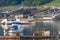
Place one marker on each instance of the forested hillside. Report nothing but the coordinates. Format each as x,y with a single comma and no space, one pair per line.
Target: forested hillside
36,2
26,2
9,2
14,4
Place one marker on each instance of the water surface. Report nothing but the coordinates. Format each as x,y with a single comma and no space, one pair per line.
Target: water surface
53,26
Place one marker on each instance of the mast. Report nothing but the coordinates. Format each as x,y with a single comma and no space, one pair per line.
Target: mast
22,4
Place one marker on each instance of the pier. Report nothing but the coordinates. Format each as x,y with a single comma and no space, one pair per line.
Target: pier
27,38
35,37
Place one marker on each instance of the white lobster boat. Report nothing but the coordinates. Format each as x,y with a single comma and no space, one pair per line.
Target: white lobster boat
8,24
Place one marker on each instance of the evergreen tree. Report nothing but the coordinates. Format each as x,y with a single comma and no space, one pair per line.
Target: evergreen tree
26,2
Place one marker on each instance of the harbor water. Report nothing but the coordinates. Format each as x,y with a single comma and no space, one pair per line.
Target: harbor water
52,25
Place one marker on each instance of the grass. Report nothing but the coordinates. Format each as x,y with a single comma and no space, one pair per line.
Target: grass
53,3
9,7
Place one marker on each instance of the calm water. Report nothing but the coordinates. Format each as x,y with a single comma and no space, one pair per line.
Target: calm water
53,26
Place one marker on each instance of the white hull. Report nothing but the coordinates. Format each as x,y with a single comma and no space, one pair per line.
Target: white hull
19,23
47,18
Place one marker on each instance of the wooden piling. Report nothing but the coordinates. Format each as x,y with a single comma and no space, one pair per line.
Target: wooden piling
36,34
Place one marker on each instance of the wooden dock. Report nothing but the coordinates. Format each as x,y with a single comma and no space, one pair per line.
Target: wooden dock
26,37
9,38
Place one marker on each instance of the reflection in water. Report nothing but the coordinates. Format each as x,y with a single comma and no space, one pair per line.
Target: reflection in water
52,26
49,25
1,31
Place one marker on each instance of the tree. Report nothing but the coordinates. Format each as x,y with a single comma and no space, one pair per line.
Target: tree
9,2
26,2
36,2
